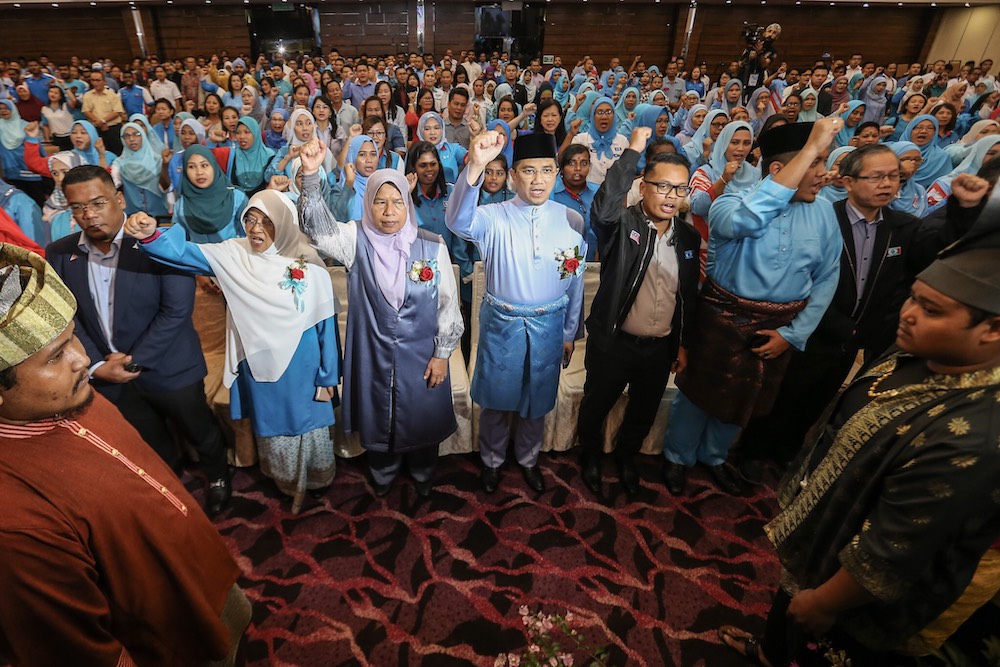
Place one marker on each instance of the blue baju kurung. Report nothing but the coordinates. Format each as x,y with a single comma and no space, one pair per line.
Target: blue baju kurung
530,300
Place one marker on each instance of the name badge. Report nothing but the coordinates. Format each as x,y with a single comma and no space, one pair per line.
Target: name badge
634,235
894,251
689,254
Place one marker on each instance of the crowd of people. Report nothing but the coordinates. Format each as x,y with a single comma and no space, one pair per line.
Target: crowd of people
760,234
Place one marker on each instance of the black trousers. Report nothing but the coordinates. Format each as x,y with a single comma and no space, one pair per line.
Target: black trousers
187,410
642,365
810,383
112,138
784,643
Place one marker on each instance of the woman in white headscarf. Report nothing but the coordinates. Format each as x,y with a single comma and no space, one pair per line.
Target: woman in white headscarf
404,322
282,353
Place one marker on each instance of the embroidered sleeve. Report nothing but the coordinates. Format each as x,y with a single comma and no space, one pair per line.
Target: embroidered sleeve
450,325
332,238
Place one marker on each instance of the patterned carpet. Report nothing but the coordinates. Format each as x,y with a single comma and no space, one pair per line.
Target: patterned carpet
401,580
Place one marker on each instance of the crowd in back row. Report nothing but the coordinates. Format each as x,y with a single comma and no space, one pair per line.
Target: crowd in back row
818,199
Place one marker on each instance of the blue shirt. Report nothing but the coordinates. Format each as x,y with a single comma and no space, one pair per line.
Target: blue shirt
764,247
357,94
133,100
519,244
582,206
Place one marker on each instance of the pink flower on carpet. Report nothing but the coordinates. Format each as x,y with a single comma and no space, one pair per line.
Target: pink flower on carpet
567,659
533,648
523,610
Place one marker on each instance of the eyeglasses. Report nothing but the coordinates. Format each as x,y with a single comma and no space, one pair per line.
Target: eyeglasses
914,160
96,206
131,135
377,134
718,123
876,179
604,112
250,221
531,172
665,188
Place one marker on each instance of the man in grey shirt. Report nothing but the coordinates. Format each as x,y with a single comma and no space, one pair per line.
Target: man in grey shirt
674,86
456,130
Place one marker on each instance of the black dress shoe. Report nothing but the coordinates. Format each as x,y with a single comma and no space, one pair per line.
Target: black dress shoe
629,476
725,479
533,476
219,493
424,488
491,479
752,471
673,477
591,475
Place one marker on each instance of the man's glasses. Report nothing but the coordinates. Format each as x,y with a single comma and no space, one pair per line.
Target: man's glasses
665,188
96,206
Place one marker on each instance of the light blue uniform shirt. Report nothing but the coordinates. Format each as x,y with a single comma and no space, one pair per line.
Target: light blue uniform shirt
518,243
764,247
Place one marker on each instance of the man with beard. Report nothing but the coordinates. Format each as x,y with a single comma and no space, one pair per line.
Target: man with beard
107,559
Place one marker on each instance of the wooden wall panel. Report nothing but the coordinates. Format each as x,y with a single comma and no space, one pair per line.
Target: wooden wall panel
805,36
606,30
192,30
450,25
364,27
88,32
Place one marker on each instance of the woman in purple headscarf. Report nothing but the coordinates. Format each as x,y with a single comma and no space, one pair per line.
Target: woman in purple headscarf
404,322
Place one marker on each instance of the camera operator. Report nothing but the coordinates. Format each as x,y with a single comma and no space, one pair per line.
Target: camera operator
757,56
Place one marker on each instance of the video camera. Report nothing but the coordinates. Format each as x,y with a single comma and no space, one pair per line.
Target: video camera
752,33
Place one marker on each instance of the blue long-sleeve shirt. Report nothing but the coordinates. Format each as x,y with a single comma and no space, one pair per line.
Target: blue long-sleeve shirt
519,244
764,247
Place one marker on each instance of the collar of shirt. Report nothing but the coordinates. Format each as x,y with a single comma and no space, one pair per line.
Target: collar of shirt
86,246
854,216
462,123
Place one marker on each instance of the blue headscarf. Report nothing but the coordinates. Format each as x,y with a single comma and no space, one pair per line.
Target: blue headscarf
936,162
855,92
12,130
695,149
646,115
688,130
249,164
843,137
508,146
578,81
274,139
175,144
558,93
360,182
141,167
747,175
608,84
155,143
833,192
423,122
602,140
89,155
726,105
621,113
589,97
912,197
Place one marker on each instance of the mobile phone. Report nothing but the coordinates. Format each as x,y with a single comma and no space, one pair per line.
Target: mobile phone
565,361
758,341
132,367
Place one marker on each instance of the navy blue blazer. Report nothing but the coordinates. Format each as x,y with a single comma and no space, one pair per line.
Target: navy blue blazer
153,304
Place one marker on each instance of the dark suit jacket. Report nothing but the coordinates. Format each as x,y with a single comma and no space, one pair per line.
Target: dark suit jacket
152,316
904,246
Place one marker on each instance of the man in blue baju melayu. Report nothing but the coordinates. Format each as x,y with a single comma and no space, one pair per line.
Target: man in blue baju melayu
773,266
533,250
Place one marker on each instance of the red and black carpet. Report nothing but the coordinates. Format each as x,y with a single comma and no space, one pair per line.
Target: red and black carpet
401,580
